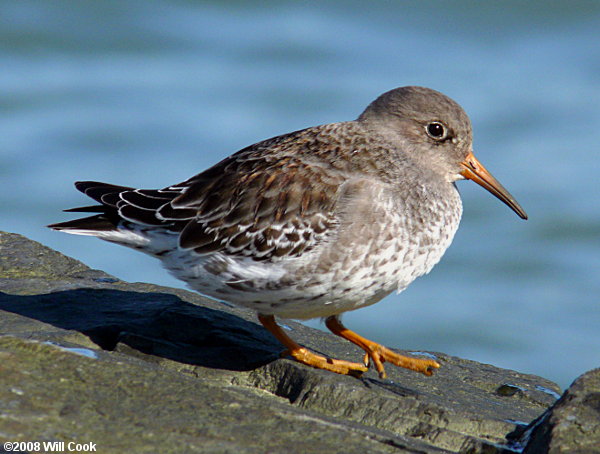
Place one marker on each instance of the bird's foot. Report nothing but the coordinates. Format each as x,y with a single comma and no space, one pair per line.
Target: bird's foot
305,356
378,353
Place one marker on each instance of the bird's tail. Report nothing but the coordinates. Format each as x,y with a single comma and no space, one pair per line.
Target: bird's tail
107,218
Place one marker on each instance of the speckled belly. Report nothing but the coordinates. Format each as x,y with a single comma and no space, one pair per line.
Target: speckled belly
367,261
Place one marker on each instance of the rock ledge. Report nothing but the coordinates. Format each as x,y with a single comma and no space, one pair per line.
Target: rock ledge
140,368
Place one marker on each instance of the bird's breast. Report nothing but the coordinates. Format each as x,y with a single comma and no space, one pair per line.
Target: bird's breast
386,241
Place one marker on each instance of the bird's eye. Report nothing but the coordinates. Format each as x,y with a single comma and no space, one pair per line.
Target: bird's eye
436,130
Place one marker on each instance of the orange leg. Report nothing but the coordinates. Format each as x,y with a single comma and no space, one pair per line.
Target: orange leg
305,356
378,353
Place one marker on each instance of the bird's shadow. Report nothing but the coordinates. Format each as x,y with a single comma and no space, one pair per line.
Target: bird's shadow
158,324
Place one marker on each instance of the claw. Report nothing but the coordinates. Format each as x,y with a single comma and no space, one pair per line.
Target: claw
307,357
380,354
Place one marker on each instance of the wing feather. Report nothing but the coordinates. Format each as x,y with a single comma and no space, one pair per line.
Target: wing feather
272,200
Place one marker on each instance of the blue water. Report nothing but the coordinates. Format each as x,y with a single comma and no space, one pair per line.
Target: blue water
148,93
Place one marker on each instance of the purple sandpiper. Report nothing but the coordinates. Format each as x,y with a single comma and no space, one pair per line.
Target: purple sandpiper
312,223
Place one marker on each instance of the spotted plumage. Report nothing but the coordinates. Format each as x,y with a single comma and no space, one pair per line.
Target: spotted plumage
312,223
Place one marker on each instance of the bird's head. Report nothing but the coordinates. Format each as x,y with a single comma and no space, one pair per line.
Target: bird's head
432,130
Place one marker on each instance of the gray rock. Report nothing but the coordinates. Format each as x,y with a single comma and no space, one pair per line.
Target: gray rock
141,368
572,424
